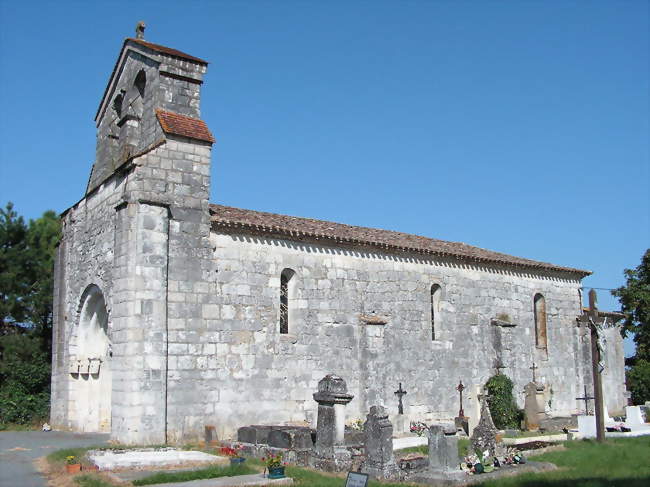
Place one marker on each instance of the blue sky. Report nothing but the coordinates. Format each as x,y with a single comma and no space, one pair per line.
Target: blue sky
518,126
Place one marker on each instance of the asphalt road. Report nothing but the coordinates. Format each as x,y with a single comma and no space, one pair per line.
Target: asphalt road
18,449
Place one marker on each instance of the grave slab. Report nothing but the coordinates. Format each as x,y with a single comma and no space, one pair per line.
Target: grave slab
111,459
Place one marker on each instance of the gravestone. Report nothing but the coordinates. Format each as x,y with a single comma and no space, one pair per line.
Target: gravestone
484,436
380,461
443,448
633,416
534,406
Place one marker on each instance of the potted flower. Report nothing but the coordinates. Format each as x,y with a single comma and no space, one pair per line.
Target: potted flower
234,454
72,465
275,466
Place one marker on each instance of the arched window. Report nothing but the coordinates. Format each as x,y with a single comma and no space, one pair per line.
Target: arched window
539,306
285,278
435,308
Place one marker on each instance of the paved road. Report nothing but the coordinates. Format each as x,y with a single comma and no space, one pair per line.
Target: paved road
18,449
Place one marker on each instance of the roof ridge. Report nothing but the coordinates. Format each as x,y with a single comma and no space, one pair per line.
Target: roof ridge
167,50
343,232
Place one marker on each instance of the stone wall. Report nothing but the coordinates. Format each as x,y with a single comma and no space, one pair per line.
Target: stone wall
263,376
142,238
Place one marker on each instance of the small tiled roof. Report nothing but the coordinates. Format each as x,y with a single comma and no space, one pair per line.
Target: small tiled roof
167,50
296,228
193,128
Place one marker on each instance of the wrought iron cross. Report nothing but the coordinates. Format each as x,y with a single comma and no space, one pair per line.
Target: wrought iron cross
460,388
399,393
534,368
586,399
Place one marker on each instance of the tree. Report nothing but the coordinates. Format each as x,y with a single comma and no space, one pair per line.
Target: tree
501,402
13,268
26,288
635,304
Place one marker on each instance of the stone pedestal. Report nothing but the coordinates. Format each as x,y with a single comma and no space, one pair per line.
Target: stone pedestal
534,406
462,424
332,396
443,448
380,461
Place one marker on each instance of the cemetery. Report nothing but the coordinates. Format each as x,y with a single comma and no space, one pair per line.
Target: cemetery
346,452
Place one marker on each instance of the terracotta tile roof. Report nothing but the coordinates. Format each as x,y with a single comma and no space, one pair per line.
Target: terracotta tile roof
296,228
194,128
167,50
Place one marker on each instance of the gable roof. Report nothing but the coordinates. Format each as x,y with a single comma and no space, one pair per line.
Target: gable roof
296,228
193,128
166,50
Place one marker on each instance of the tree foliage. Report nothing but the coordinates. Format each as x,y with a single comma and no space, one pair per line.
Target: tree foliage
501,402
637,379
26,289
635,304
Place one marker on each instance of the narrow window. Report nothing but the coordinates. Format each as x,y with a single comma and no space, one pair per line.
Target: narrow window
539,304
435,305
285,277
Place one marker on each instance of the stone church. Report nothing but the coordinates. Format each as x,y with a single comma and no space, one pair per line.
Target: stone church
171,313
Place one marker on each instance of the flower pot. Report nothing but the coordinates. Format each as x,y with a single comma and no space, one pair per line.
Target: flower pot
276,472
73,467
236,461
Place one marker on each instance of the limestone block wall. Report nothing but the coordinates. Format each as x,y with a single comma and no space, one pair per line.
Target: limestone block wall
142,237
262,376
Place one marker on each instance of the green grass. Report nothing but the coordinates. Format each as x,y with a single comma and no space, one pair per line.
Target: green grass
621,462
91,481
204,473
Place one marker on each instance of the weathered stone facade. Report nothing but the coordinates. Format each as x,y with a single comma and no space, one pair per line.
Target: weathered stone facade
193,303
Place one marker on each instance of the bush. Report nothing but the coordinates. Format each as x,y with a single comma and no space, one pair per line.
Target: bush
501,402
24,379
637,379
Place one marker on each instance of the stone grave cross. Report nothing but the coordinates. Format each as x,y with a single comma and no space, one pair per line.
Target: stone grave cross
586,399
400,393
498,365
534,368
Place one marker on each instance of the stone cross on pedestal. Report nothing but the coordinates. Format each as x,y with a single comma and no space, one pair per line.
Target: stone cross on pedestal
399,393
534,368
586,399
139,30
332,396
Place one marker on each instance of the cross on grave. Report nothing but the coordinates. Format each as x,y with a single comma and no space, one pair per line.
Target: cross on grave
498,365
586,399
399,393
534,368
460,388
592,320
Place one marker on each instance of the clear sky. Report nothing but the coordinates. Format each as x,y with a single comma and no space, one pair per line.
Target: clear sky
517,126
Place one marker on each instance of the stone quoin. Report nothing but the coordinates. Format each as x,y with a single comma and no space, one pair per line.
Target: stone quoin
171,313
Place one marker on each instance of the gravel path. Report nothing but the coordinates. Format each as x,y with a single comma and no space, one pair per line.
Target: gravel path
18,450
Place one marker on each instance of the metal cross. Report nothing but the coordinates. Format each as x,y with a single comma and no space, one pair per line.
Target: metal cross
400,392
460,388
534,368
586,399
